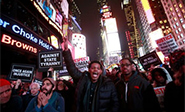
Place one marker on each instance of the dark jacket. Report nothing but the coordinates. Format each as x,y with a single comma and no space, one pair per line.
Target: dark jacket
55,104
174,97
105,96
140,96
13,105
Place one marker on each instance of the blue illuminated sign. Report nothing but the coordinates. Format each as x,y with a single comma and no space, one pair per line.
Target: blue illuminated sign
18,29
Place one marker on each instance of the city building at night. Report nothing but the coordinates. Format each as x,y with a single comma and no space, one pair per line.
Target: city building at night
132,35
143,27
29,27
175,11
161,20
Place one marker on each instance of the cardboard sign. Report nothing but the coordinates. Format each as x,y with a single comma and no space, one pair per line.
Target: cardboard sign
167,44
148,59
82,63
22,71
49,59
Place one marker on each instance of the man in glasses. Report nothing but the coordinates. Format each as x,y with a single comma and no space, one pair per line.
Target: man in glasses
47,100
9,103
135,94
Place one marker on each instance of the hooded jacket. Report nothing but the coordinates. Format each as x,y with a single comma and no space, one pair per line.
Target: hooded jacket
137,95
105,95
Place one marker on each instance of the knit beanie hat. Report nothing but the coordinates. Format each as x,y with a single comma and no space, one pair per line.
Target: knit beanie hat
51,80
4,82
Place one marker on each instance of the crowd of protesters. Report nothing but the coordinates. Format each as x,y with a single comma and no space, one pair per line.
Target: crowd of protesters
123,89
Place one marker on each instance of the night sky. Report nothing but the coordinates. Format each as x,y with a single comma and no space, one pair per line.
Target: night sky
90,25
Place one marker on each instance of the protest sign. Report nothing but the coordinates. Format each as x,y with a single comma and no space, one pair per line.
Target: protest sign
167,44
150,59
22,71
82,63
52,58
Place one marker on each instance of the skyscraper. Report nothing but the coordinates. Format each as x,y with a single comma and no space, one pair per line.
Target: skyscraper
175,11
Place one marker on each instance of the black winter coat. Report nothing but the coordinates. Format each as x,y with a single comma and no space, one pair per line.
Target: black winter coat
105,97
140,96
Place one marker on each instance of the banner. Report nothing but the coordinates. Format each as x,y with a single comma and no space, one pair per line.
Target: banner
22,71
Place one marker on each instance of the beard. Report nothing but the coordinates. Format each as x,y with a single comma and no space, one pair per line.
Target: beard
48,92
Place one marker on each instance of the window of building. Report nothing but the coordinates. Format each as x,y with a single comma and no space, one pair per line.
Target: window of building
165,21
162,27
176,31
171,9
43,31
181,20
28,19
177,10
178,37
160,22
182,35
167,27
183,41
175,18
183,26
179,14
179,29
180,5
177,24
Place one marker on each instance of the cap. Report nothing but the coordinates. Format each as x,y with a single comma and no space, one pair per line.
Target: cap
4,82
51,80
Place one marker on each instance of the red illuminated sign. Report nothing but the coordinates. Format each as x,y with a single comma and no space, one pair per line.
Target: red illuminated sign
10,41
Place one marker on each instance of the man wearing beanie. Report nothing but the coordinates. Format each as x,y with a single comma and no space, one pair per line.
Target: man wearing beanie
9,102
48,100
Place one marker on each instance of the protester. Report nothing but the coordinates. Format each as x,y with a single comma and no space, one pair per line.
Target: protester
94,92
16,87
174,91
34,91
113,73
66,90
160,78
134,92
9,102
47,100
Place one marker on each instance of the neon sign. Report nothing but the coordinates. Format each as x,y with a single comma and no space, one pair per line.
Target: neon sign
8,40
24,33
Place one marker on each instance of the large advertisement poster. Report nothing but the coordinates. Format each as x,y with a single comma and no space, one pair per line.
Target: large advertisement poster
50,9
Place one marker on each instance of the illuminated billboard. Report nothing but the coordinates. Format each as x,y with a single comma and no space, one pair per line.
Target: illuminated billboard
49,11
148,11
113,42
79,44
111,26
54,41
155,35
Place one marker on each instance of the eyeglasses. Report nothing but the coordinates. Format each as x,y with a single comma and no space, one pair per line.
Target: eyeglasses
122,65
8,90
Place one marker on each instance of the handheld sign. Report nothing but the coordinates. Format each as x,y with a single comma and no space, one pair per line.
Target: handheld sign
22,71
52,58
82,63
167,44
149,59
